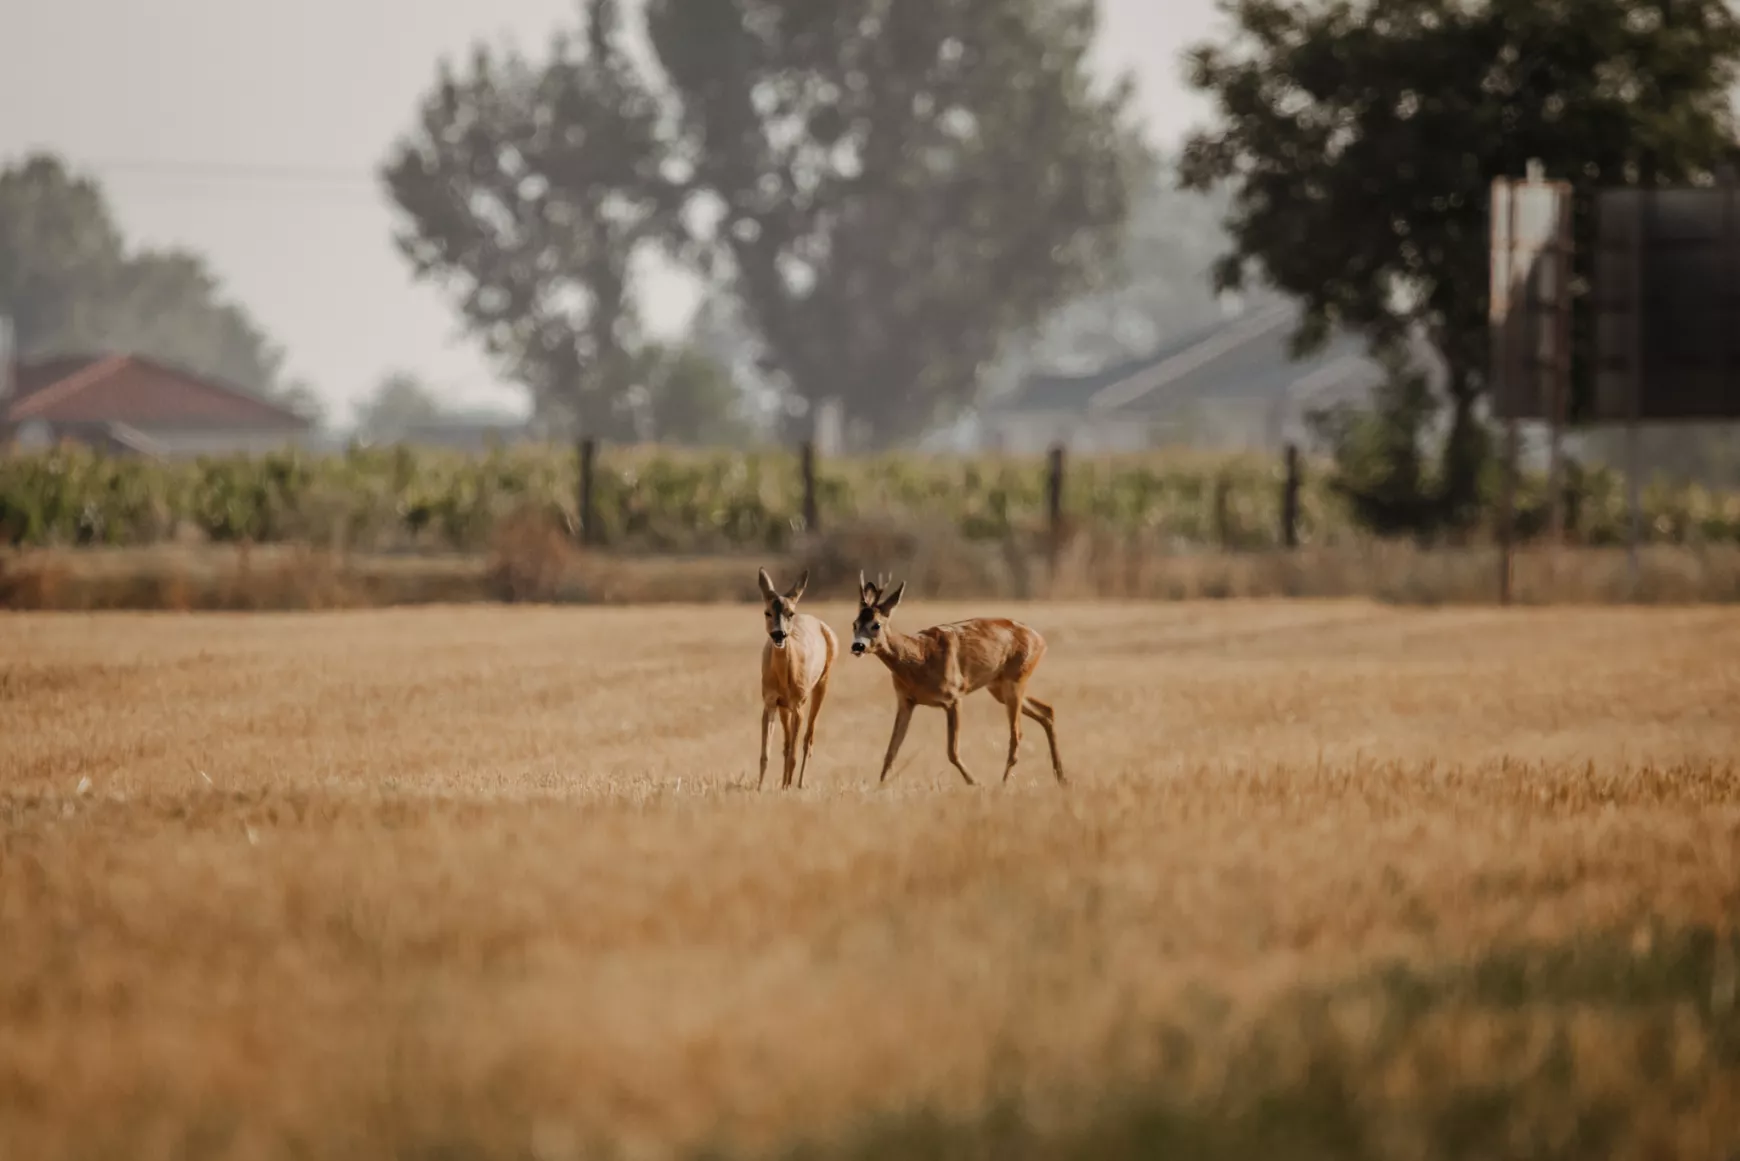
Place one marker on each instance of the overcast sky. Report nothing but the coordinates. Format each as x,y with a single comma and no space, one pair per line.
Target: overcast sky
185,108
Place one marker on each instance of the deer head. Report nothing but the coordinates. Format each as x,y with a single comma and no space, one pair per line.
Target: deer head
780,608
875,605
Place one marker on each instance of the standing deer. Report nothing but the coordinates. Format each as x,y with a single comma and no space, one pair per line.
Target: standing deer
941,665
795,664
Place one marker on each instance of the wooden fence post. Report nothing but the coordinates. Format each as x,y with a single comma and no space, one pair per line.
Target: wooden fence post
807,468
588,496
1290,499
1222,516
1054,504
1507,511
1573,501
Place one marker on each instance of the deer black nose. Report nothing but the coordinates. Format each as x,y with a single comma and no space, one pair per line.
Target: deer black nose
858,648
778,636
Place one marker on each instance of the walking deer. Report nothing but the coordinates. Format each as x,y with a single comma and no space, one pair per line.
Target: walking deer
941,665
796,662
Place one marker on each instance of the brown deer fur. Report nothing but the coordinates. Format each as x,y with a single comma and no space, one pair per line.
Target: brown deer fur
796,660
941,665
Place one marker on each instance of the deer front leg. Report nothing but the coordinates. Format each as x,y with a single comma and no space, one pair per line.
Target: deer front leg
954,712
902,719
789,719
766,740
817,696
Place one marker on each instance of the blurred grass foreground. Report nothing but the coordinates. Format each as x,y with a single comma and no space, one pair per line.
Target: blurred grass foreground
1612,1045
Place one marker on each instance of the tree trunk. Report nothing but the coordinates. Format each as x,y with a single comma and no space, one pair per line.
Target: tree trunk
1465,453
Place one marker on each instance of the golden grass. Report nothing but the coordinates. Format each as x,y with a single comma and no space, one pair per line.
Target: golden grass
488,882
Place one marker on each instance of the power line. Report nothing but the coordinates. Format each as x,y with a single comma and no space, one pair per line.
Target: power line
256,183
240,171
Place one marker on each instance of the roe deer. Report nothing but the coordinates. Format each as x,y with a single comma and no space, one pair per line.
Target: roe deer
941,665
795,664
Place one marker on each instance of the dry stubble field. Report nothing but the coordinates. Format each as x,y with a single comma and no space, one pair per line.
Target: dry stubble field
1330,880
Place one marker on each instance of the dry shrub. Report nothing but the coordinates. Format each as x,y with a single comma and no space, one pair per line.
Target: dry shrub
933,558
31,584
224,578
1103,567
532,558
659,580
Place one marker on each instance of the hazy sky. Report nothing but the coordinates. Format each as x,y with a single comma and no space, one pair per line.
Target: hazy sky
185,108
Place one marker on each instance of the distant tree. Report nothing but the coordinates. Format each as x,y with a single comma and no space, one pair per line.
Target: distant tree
719,331
1161,284
401,400
1360,137
895,188
71,287
1379,469
528,192
685,396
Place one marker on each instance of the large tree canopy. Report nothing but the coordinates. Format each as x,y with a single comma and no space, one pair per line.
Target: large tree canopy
1360,138
71,286
529,192
889,188
898,186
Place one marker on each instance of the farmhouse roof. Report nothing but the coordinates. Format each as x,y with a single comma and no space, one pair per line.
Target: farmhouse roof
1246,357
135,390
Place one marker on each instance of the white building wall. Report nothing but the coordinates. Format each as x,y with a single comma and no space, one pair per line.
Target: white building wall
186,443
1033,433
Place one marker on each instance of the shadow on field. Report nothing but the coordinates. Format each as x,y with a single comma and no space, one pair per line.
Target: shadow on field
1620,1046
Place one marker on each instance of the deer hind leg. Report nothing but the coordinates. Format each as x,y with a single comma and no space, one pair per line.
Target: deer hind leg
1011,697
766,740
790,719
817,696
902,719
1042,713
954,712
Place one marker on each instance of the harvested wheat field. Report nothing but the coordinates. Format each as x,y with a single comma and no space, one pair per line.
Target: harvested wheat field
1329,880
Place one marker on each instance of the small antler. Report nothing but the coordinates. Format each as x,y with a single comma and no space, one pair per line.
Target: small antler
868,591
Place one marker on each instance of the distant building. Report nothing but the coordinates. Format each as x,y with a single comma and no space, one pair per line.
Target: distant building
1232,383
132,404
469,433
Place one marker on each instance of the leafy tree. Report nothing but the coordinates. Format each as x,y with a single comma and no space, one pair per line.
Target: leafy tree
528,193
684,396
401,400
1380,470
894,188
71,287
1160,286
719,331
1360,138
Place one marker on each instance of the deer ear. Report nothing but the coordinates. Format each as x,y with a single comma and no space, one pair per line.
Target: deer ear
866,590
891,600
797,590
766,583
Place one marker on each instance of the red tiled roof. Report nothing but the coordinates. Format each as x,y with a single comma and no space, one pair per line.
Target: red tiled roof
135,390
